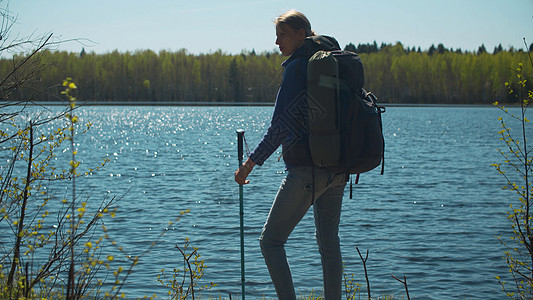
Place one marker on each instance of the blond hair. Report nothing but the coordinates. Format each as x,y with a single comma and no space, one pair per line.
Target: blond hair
296,20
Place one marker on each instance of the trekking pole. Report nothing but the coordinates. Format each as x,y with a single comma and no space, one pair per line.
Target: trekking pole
240,137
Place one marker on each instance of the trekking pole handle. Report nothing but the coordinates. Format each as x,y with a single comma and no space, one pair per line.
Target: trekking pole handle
240,138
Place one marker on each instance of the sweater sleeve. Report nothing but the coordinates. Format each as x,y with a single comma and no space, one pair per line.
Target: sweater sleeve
292,90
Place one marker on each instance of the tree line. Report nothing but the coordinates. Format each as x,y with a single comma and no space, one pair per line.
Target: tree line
396,74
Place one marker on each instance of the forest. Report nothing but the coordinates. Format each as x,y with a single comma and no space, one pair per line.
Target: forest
394,73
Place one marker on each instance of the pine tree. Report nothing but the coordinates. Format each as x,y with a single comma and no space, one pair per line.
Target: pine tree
350,47
481,49
441,49
497,49
432,49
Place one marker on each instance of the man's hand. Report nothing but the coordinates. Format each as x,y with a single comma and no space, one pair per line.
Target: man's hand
242,173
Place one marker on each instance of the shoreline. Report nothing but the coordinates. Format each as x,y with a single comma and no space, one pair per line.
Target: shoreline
213,104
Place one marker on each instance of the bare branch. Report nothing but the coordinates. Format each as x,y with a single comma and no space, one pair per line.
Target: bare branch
366,272
404,281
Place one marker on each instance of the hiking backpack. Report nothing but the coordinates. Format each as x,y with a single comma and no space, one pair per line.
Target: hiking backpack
345,128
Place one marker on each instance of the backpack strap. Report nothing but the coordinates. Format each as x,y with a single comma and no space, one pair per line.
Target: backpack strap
351,188
313,184
349,178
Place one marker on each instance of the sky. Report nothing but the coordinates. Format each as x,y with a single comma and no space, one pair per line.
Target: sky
234,26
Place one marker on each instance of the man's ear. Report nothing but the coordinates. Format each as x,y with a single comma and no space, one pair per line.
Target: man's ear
301,33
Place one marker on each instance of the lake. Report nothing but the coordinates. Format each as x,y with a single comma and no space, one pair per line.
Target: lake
434,216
